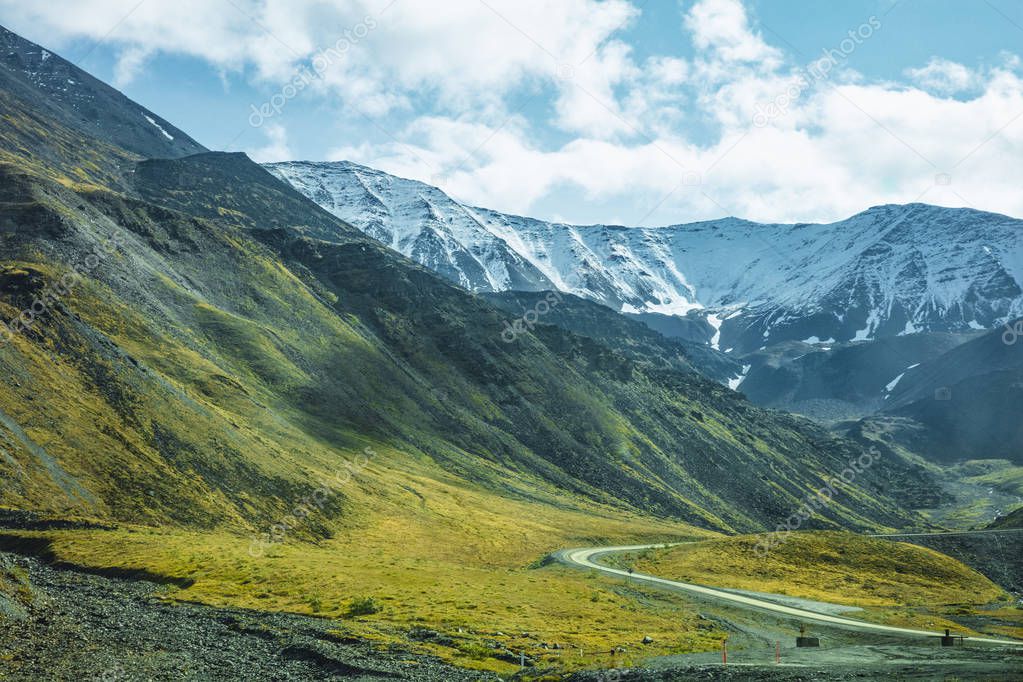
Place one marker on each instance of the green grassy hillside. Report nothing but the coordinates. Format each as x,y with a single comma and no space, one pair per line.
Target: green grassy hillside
843,568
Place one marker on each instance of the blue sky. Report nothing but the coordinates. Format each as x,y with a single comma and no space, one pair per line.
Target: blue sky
636,112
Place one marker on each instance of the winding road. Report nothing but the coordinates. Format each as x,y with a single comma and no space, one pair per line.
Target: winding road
587,558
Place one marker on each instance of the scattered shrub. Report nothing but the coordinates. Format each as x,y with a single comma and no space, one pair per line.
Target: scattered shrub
364,606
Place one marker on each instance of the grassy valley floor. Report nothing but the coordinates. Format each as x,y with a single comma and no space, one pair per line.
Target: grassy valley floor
464,579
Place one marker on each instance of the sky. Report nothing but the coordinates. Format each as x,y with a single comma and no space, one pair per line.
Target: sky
626,112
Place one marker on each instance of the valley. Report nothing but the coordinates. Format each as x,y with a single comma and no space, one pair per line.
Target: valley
273,413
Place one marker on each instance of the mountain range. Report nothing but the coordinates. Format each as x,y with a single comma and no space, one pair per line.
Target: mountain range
741,286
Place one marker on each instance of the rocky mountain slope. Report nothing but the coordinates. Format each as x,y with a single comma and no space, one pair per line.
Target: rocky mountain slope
967,401
620,333
1011,520
888,271
58,89
840,380
210,343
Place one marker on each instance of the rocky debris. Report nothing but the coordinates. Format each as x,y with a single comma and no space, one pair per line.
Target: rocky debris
68,625
15,590
648,640
432,636
26,520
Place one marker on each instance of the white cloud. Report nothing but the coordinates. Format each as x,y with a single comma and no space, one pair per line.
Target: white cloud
129,65
587,103
837,151
375,56
944,77
720,28
449,81
276,147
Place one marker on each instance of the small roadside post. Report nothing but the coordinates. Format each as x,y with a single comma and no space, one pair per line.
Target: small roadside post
804,641
724,651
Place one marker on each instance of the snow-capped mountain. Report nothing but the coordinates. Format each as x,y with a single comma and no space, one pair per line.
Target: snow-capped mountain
419,221
888,271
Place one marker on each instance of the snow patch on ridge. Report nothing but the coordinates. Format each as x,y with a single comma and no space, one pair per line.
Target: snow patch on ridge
158,127
867,332
715,321
890,386
734,383
893,383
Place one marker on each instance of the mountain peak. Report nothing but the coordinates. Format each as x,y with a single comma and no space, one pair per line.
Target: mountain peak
82,102
921,209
